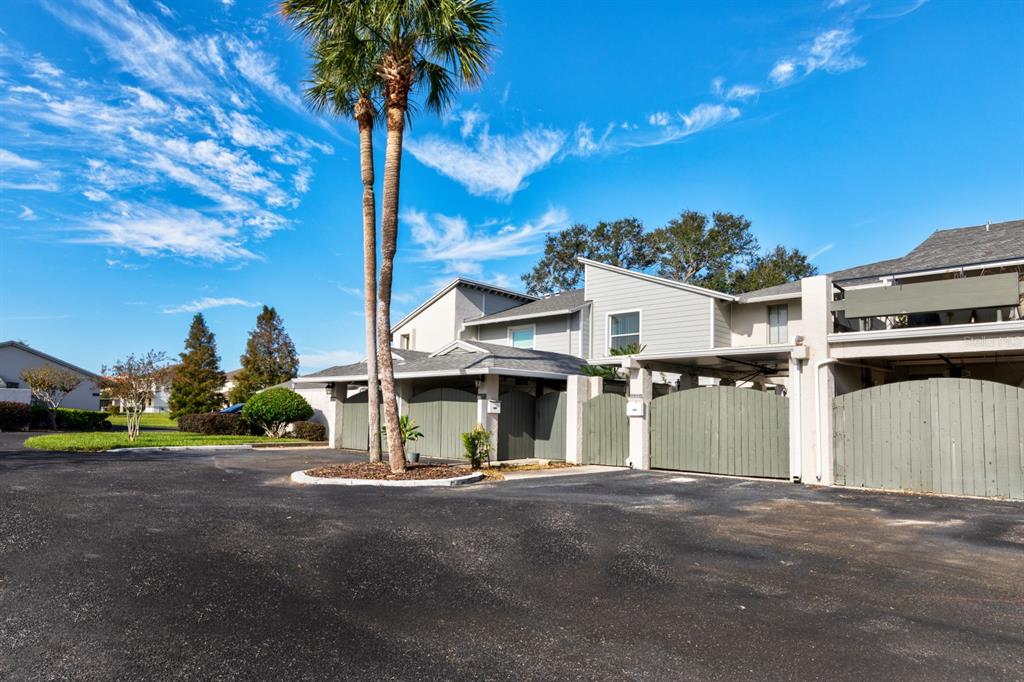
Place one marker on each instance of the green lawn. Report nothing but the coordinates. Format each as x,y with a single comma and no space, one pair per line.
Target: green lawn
95,441
150,420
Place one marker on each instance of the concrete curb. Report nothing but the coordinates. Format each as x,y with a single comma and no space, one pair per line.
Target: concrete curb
176,448
302,477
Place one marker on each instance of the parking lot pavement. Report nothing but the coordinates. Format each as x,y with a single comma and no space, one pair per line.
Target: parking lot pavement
215,566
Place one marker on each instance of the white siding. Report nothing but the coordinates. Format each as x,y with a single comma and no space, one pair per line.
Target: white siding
14,359
670,319
437,325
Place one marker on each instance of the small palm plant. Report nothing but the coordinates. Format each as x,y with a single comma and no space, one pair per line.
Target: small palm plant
409,432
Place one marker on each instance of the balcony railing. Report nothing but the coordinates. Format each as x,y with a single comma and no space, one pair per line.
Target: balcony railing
987,298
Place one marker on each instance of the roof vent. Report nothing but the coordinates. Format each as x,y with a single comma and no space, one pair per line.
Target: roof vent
988,225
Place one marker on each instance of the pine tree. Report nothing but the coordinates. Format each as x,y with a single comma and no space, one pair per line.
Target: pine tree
269,357
197,380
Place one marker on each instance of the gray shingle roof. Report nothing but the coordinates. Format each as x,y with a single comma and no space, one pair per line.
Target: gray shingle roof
943,249
494,357
556,303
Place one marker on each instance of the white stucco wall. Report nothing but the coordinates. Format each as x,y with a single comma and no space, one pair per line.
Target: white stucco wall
749,322
13,360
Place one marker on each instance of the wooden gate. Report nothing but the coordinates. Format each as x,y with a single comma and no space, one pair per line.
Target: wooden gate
515,425
605,430
355,427
956,436
443,415
549,426
721,430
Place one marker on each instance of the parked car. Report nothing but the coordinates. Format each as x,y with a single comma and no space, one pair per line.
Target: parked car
233,409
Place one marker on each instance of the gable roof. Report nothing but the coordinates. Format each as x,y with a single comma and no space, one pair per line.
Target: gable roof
556,304
659,280
950,248
464,358
462,281
49,358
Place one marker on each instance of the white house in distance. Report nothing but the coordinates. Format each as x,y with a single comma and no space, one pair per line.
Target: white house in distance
906,373
16,356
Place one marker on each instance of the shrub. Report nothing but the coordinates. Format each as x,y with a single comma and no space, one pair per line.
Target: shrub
478,446
273,409
14,416
215,424
308,431
70,419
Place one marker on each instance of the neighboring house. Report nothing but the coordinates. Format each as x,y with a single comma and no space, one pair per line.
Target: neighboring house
230,380
15,357
906,373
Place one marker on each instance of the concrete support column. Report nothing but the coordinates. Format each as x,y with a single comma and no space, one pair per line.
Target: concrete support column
403,394
795,397
577,392
640,394
334,414
489,391
817,386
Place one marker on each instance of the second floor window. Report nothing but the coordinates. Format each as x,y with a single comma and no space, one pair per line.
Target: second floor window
778,324
521,337
623,330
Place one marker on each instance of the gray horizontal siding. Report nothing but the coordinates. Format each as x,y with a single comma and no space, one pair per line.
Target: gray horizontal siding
670,319
723,330
551,334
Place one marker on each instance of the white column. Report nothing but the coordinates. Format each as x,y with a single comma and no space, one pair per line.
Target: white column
577,392
403,394
488,391
817,387
334,414
640,392
796,367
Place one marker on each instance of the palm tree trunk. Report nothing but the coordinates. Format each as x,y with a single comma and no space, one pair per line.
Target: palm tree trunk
364,115
389,245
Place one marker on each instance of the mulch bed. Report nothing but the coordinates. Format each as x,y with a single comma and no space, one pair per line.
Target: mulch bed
381,471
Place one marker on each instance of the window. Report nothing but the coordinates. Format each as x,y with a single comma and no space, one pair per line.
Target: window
521,337
778,324
623,330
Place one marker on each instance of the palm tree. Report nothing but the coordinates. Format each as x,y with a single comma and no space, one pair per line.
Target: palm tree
433,46
344,83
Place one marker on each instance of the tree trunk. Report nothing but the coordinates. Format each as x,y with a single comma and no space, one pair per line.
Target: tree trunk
364,115
389,245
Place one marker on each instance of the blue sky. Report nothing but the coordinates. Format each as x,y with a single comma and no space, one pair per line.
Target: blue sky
156,158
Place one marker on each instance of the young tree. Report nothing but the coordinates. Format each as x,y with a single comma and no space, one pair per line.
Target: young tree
50,384
433,45
693,249
269,357
771,269
345,83
132,382
622,243
197,380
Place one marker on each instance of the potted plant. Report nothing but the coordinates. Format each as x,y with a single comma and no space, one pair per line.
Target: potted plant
409,432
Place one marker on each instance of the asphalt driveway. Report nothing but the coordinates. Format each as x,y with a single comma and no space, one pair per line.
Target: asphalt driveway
192,566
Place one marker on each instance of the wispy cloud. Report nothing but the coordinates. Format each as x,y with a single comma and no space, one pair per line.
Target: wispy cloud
179,126
27,214
831,51
822,250
451,240
489,165
206,303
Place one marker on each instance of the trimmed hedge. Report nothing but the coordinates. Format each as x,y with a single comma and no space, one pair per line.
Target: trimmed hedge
275,408
308,431
14,416
71,419
215,424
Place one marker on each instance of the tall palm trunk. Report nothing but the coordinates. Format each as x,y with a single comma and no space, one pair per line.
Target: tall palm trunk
364,116
396,102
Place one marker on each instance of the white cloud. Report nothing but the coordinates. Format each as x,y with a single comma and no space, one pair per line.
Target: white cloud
206,303
164,10
9,159
44,70
470,120
492,165
146,101
830,51
260,69
151,230
701,117
96,195
450,239
742,92
313,360
659,118
301,180
820,251
27,214
782,72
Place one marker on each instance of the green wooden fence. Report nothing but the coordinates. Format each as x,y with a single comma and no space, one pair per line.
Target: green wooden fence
721,430
515,425
355,428
549,426
443,415
605,430
956,436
